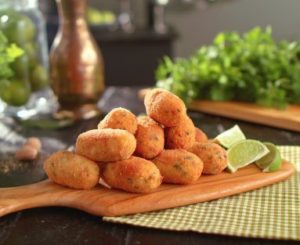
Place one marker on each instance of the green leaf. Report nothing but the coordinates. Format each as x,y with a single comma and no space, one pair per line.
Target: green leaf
13,51
8,53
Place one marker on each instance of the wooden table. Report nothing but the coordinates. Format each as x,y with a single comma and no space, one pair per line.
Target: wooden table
56,225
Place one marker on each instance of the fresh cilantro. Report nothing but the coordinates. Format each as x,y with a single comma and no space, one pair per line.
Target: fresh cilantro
251,67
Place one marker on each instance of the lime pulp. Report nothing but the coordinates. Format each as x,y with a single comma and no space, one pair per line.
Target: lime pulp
230,137
244,153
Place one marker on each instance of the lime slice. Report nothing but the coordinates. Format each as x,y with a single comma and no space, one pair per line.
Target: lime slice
272,161
245,152
230,136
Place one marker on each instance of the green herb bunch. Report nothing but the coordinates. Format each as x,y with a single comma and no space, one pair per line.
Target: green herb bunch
251,67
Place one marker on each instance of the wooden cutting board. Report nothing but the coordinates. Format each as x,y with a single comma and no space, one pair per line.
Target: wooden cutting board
105,202
286,119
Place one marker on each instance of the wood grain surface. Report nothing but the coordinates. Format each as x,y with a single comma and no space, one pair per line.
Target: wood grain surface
286,119
105,202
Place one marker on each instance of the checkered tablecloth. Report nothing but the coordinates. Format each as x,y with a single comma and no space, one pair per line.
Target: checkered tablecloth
272,212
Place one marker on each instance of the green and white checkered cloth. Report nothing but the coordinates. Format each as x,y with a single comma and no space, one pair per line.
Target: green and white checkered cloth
272,212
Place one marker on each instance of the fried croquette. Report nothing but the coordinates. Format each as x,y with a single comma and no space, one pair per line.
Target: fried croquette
119,118
164,107
149,138
106,145
214,157
179,166
200,136
133,175
181,136
71,170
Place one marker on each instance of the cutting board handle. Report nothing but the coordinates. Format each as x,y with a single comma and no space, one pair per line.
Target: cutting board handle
40,194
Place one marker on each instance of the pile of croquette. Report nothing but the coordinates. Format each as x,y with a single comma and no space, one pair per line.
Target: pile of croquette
137,154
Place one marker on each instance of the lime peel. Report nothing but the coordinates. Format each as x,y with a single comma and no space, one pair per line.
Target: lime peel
272,161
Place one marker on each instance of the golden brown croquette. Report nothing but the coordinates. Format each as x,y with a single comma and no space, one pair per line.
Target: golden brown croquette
214,157
181,136
164,107
119,118
179,166
133,175
149,138
71,170
200,136
106,145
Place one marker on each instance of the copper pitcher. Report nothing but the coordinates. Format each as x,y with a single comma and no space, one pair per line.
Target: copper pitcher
76,64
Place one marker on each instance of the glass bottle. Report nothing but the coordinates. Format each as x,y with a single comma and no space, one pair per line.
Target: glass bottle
76,65
23,90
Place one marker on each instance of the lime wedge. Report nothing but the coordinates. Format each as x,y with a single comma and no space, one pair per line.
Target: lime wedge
272,161
230,136
245,152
